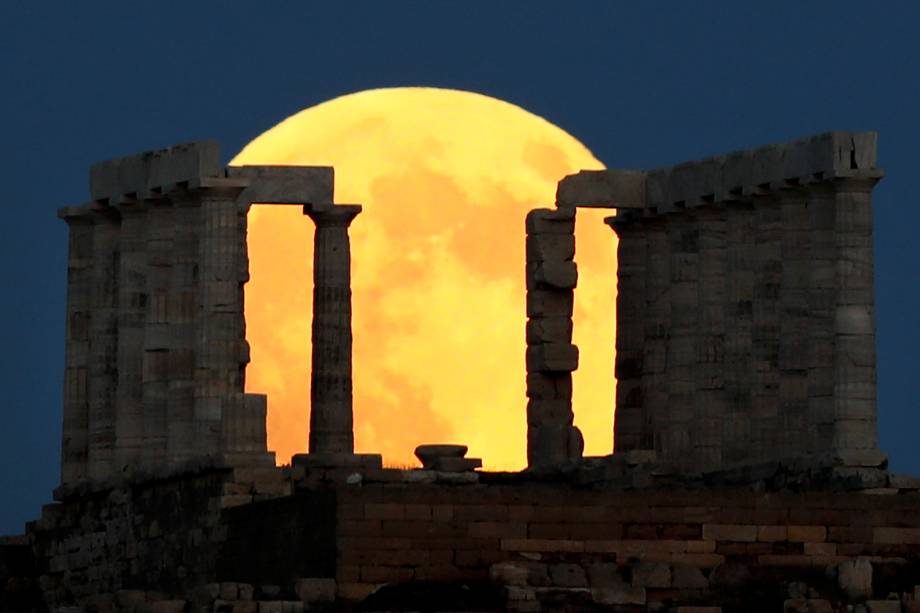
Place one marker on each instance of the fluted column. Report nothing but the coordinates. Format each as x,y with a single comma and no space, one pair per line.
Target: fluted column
77,355
331,418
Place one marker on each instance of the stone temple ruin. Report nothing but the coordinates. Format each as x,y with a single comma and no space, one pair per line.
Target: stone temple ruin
746,474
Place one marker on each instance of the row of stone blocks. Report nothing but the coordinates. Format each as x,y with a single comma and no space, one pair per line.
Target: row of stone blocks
725,178
552,275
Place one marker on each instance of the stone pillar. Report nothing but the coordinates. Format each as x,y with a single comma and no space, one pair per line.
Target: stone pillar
158,333
710,398
768,270
77,352
131,431
183,309
631,427
794,323
551,357
657,333
103,358
855,425
331,417
683,236
218,376
739,299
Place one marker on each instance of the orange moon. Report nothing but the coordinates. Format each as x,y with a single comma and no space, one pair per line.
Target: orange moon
446,178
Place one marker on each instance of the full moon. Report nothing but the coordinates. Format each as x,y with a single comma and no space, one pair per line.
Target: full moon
446,178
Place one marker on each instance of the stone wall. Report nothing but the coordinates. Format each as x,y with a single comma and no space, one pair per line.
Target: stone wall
253,539
155,347
745,309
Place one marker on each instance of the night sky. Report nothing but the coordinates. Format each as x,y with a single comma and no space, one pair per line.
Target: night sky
641,87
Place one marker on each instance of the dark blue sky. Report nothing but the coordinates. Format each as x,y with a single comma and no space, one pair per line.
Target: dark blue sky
86,81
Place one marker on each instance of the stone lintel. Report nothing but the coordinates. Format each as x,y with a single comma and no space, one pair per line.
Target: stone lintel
740,175
151,173
615,189
299,185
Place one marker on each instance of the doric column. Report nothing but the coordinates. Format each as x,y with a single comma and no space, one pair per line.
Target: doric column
710,398
76,356
158,336
130,429
183,309
657,333
631,418
768,269
103,359
739,300
794,323
218,372
683,236
842,377
331,417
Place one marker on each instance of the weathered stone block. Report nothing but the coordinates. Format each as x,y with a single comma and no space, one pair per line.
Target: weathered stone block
651,575
621,189
315,590
854,577
554,357
553,274
550,247
567,575
551,221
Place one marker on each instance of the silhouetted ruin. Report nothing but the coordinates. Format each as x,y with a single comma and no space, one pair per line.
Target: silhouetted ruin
746,473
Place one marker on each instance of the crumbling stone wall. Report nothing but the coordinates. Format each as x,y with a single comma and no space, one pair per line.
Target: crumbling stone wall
745,308
155,348
254,538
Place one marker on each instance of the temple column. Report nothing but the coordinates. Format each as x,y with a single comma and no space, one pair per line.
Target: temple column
551,274
331,418
103,345
79,316
218,375
710,398
631,416
131,431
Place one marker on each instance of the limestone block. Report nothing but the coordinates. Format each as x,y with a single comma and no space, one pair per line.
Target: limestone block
854,577
736,173
767,165
854,320
621,189
553,443
149,173
550,221
545,303
553,274
619,595
688,577
302,185
549,386
509,573
883,606
550,247
567,575
315,590
549,411
560,357
651,575
549,330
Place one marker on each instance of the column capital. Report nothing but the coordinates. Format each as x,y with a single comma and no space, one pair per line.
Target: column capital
339,215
